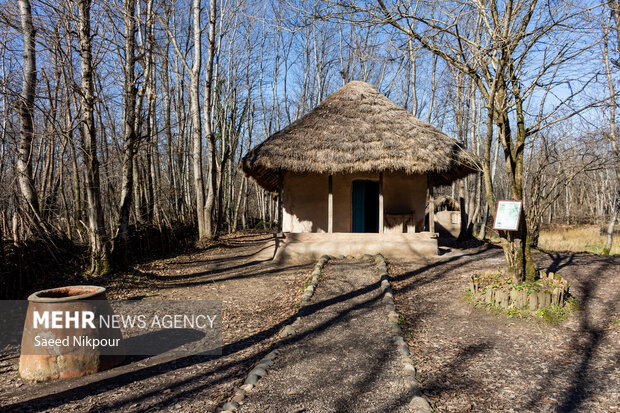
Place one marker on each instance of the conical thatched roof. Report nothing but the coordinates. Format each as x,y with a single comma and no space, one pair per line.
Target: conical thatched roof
357,129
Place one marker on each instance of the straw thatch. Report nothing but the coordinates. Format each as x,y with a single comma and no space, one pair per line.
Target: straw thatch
446,203
357,129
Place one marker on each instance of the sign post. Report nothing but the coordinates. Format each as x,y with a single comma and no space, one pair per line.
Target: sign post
507,215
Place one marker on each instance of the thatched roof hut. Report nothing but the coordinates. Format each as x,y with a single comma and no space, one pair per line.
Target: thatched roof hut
355,175
357,129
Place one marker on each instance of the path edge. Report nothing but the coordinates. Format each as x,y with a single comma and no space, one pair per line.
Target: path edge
261,367
418,403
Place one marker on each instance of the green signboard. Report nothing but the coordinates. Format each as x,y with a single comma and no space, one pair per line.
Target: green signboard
507,215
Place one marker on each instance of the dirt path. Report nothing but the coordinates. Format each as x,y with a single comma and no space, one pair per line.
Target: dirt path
471,360
343,359
467,359
258,299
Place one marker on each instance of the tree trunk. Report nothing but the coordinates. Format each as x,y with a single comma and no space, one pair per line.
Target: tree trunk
61,188
151,122
136,197
463,233
516,244
173,192
211,143
615,151
610,227
431,103
246,195
412,79
203,229
26,114
77,188
235,216
129,102
99,246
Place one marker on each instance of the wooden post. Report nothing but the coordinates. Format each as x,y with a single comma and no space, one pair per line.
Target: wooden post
280,213
431,206
380,202
330,206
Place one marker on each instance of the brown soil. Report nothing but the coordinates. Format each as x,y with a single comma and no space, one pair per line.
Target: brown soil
343,357
470,359
258,299
467,358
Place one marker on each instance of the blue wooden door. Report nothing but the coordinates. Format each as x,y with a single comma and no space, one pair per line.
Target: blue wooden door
365,206
359,206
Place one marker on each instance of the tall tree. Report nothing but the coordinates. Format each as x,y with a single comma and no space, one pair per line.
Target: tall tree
493,44
211,142
26,114
613,138
129,133
203,229
99,247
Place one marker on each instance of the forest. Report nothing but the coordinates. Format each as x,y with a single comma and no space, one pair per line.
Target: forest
123,122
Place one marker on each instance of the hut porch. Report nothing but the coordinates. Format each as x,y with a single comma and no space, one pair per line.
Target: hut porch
354,214
306,247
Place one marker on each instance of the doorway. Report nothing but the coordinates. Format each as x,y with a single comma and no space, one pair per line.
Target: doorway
365,206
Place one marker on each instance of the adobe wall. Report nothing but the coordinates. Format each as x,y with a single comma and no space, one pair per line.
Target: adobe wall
304,199
448,223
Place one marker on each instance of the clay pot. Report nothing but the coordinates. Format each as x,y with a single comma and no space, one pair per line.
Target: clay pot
56,350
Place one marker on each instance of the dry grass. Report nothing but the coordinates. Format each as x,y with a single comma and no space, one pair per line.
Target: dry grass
576,239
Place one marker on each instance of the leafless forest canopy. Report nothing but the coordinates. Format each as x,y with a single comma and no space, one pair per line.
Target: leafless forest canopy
119,116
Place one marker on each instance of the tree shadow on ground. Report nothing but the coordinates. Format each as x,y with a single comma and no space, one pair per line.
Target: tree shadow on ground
210,275
455,243
127,374
559,260
420,277
119,377
585,341
195,383
226,258
582,381
219,267
438,381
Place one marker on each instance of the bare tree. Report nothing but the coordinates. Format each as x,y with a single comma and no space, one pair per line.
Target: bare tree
613,138
496,62
26,113
211,142
129,135
99,247
204,205
203,229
